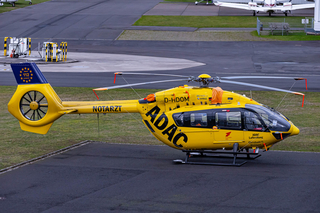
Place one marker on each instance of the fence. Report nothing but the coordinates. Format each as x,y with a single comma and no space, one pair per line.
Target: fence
276,24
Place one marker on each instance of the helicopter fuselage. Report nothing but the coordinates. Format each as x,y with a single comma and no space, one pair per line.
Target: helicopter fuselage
192,122
184,117
195,118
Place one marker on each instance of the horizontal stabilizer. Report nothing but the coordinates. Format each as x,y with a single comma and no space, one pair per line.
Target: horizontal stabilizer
36,129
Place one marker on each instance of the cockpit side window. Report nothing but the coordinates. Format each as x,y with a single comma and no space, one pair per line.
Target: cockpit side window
252,121
228,120
272,119
178,119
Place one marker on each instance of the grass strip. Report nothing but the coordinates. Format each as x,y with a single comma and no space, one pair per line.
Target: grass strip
17,146
210,21
19,4
190,36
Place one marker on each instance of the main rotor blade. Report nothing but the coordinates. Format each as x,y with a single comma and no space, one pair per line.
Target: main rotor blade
275,77
261,77
137,84
260,86
137,73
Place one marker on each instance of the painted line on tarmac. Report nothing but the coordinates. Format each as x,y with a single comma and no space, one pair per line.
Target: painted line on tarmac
11,168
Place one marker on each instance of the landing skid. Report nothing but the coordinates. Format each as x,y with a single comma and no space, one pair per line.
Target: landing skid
202,154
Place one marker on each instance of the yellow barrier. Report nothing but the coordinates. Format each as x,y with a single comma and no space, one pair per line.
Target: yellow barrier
56,52
66,51
51,51
5,46
46,52
63,47
29,41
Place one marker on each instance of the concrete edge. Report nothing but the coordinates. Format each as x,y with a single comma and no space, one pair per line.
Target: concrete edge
24,60
74,146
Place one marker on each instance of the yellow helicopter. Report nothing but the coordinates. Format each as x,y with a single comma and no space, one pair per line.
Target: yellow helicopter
201,121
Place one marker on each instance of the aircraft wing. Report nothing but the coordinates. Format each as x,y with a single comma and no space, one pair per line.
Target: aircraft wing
301,6
239,6
265,9
234,5
291,7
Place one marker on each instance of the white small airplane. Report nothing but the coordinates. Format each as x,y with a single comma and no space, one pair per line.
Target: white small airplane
267,6
12,2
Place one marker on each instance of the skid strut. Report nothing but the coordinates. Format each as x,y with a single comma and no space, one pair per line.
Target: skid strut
203,155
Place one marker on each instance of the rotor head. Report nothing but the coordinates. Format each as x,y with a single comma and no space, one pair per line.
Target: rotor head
205,80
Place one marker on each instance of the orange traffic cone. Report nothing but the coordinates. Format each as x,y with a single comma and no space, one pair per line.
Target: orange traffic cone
11,55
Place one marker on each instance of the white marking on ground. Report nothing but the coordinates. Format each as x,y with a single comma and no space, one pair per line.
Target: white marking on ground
5,68
102,62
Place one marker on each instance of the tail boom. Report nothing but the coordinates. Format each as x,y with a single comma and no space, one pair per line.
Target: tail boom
93,107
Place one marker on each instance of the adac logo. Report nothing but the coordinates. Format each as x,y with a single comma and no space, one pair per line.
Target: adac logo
228,135
26,75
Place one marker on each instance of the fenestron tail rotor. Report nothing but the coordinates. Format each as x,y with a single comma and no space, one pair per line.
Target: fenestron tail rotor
33,105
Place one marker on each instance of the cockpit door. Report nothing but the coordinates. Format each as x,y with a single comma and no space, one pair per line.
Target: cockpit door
254,129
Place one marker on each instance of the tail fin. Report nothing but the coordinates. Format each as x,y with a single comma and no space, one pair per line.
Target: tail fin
28,73
35,104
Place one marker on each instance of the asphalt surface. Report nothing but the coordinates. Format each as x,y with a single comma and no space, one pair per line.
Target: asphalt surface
102,177
94,19
93,27
127,178
297,59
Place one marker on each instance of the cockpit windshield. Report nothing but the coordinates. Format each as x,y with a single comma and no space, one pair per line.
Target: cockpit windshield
272,119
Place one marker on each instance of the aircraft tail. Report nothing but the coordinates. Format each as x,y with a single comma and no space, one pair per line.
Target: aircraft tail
35,104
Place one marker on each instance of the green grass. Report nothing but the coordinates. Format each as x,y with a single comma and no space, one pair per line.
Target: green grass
17,146
230,22
19,4
198,21
208,21
292,36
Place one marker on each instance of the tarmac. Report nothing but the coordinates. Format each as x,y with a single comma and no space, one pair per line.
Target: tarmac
100,177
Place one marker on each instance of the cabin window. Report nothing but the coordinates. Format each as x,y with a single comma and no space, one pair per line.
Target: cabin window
252,122
199,119
228,120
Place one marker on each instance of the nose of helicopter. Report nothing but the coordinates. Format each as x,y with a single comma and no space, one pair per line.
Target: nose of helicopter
294,131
